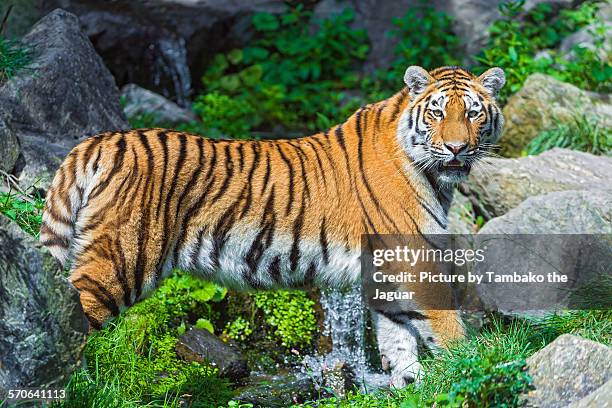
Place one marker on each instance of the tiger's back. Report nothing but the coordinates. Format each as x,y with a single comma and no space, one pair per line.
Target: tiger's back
127,207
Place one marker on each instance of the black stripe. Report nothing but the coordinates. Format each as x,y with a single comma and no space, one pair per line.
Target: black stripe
163,139
117,165
274,270
323,242
266,178
298,223
332,167
291,180
264,237
180,161
240,157
143,232
229,172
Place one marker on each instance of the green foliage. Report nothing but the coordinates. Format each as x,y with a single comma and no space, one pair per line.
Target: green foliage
263,320
239,329
426,39
291,314
486,370
133,359
13,58
515,42
291,76
582,133
26,211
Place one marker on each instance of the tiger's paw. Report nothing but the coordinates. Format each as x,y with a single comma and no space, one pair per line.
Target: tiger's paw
404,372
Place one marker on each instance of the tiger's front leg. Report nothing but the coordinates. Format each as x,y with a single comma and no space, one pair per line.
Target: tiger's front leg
401,335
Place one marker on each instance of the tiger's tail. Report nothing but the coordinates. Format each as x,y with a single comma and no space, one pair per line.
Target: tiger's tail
65,199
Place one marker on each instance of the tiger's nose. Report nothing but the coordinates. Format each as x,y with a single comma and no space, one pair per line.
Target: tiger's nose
455,148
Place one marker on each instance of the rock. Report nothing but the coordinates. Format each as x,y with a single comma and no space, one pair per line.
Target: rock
472,19
502,184
156,43
567,370
202,346
42,325
9,147
539,237
277,391
23,16
340,379
138,101
544,102
561,212
39,159
65,95
600,398
587,36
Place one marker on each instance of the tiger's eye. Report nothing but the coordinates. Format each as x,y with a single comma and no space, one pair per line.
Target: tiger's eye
437,113
472,114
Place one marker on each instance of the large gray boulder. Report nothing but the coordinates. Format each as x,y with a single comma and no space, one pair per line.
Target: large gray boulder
42,325
64,96
600,398
154,43
139,101
560,212
541,236
499,185
9,147
544,102
568,370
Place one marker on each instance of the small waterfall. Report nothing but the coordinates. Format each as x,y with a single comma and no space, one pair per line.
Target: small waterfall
346,318
172,64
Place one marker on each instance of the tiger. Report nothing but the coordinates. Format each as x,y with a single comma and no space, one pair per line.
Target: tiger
125,208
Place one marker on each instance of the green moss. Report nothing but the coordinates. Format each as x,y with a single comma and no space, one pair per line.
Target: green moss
291,314
268,319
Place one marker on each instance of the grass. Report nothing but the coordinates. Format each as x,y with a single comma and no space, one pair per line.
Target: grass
485,370
132,362
582,133
13,58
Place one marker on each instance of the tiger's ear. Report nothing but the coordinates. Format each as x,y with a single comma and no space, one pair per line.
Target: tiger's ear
493,79
417,80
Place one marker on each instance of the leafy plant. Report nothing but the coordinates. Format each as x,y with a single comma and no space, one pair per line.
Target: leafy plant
515,42
426,38
291,314
291,77
582,133
26,211
13,58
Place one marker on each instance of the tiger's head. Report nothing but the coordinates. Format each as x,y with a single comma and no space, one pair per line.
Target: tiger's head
451,121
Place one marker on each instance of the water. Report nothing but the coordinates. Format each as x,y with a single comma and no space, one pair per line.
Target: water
346,318
172,64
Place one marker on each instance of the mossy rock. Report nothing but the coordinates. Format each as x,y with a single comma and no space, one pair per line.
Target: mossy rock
545,102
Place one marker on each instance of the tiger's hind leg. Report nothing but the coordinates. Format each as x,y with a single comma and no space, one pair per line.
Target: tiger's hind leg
103,290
